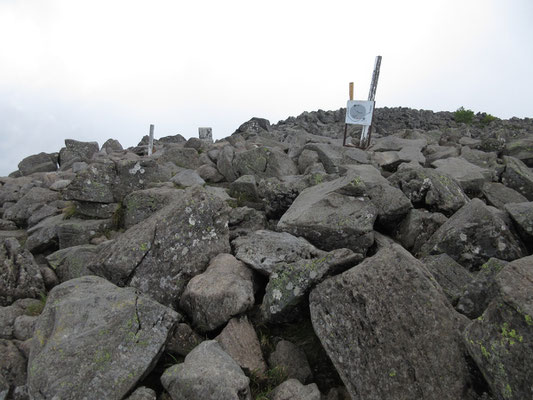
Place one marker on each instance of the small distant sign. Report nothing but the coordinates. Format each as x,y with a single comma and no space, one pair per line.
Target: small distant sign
359,112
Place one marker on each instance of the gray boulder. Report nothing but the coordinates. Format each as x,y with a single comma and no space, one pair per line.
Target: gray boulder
474,234
334,157
186,178
500,341
75,232
225,289
6,225
292,360
73,262
417,227
333,215
34,199
404,344
263,250
13,366
142,393
469,176
141,204
244,220
41,162
292,389
23,327
20,276
193,229
13,189
521,149
435,152
497,195
225,163
180,156
88,210
76,151
93,184
522,216
68,357
427,188
183,340
208,373
452,277
244,189
518,176
289,283
43,236
264,162
209,173
240,341
481,290
112,145
277,194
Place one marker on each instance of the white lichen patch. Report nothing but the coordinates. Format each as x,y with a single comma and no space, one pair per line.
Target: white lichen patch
276,294
136,168
463,237
192,221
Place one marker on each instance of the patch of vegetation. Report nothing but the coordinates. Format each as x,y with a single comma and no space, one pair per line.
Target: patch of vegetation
261,384
486,119
118,217
36,309
69,211
463,116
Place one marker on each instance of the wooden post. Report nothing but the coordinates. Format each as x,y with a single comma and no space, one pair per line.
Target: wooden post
351,90
346,125
151,140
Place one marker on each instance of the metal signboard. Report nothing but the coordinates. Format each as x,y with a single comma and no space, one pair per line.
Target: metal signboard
359,112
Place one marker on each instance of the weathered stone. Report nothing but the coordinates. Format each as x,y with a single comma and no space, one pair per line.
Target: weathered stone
182,157
225,289
75,232
255,125
417,227
14,189
427,188
452,277
141,204
264,162
193,229
522,216
292,360
93,184
183,340
142,393
42,213
395,143
244,220
498,195
36,198
43,236
277,194
24,326
473,235
73,262
240,341
69,359
289,283
6,225
225,163
84,149
187,177
484,160
518,176
244,189
292,389
469,176
41,162
208,373
521,149
334,157
387,160
263,250
209,173
20,276
112,145
481,290
307,158
500,341
436,152
333,215
13,365
404,344
97,210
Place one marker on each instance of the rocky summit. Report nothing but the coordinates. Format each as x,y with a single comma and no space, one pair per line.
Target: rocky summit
274,264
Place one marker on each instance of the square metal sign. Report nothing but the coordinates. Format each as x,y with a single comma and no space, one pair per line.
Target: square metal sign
359,112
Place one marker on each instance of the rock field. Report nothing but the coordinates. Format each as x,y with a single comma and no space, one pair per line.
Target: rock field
274,264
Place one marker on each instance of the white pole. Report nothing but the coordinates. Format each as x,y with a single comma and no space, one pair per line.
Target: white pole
151,140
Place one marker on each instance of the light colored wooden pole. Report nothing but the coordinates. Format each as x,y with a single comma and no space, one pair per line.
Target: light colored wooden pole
151,140
351,90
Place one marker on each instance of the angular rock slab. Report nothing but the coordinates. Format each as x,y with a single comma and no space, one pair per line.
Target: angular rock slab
20,276
208,373
161,254
501,340
389,330
518,176
225,289
473,235
289,284
292,389
263,249
470,176
522,216
94,340
333,215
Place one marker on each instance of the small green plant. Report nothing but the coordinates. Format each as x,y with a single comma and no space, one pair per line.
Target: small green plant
118,217
69,211
261,384
463,116
487,119
35,309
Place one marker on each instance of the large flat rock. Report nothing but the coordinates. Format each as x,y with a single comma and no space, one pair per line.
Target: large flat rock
94,340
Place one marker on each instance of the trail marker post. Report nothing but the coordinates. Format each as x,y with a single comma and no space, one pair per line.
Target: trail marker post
362,112
151,140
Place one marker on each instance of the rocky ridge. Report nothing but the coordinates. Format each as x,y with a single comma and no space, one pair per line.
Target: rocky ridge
274,264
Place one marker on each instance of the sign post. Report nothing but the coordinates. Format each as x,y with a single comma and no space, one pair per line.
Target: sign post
151,140
360,112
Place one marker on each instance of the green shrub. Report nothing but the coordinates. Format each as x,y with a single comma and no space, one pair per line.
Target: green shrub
463,116
487,119
69,211
261,384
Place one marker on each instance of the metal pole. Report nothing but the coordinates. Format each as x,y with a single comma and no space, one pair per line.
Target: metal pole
367,130
151,140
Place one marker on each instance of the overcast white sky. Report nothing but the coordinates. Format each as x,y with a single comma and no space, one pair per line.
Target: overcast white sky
96,69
